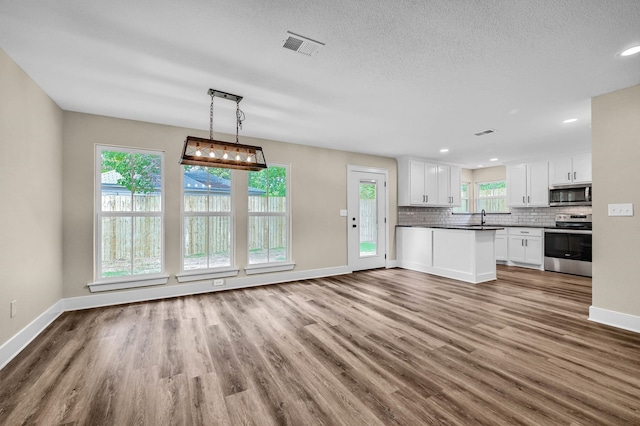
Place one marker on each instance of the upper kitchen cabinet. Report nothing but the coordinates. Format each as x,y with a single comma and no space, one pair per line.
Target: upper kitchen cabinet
449,193
417,183
425,184
528,185
567,170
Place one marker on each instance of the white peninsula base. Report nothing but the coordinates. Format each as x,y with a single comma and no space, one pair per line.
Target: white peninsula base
462,254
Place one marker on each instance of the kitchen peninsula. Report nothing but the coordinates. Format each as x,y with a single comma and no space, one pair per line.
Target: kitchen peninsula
465,253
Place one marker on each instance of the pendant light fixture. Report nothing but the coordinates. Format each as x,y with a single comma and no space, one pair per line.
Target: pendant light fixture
229,155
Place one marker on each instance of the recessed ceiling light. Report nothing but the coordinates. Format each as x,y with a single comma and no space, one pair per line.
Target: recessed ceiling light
480,165
444,150
570,120
493,159
631,51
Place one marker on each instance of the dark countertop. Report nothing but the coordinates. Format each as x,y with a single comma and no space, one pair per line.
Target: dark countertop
490,227
487,227
461,227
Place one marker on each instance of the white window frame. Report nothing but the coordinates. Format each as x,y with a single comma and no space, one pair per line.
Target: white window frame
128,281
457,209
285,265
207,273
478,198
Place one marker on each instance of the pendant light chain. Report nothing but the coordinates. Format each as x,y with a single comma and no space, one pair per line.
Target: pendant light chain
211,118
239,119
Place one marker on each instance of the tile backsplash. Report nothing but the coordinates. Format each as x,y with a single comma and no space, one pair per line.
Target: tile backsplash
538,216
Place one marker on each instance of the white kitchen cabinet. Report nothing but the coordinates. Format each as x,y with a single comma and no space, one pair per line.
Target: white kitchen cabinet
417,183
525,246
462,254
421,183
449,186
528,185
568,170
502,254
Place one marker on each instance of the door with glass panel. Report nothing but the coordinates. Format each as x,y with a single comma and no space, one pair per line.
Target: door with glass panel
366,221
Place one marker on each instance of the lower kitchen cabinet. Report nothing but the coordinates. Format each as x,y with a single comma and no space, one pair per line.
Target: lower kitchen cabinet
502,254
526,247
462,254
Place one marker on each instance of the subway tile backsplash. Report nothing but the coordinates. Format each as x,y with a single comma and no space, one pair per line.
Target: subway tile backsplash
538,216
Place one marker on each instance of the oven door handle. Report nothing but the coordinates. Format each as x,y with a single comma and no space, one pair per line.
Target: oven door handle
569,231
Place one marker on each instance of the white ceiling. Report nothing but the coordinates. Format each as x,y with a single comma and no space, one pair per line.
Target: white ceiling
396,77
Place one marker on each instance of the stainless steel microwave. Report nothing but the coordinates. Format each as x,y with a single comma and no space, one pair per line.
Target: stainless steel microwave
570,195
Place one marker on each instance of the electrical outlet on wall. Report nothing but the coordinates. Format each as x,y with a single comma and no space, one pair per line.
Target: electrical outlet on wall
217,283
14,308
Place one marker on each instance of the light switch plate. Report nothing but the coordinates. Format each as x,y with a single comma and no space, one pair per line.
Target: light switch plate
625,209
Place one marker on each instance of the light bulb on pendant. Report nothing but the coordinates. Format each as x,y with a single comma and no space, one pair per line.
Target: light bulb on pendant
198,152
212,153
237,156
225,156
249,158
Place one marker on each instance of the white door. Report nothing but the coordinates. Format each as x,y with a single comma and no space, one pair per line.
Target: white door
454,183
416,182
367,207
582,168
538,183
560,171
516,249
444,194
517,185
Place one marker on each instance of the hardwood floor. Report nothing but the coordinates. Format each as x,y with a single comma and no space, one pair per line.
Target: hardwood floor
392,347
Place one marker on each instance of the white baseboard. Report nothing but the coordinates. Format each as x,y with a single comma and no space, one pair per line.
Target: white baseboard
138,295
17,343
615,319
283,277
392,264
164,292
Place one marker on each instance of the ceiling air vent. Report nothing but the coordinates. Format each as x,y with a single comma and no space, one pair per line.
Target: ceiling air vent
485,132
301,44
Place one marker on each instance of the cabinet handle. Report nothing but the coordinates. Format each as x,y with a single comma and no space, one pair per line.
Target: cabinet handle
526,243
575,174
528,198
569,176
523,201
522,242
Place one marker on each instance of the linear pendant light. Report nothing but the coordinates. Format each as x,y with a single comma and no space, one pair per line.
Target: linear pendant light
229,155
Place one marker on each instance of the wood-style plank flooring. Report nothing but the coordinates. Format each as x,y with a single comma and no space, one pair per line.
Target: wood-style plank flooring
392,347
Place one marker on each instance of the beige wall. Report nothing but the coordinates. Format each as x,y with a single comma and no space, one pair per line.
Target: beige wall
616,242
30,199
318,180
485,174
488,174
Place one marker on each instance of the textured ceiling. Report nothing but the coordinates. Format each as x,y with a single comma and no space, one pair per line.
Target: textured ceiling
394,78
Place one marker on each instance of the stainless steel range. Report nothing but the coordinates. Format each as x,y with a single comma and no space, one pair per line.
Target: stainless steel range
567,247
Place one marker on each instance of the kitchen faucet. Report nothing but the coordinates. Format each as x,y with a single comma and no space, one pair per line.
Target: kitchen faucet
484,214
